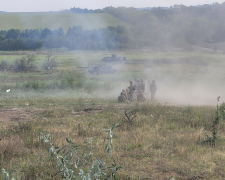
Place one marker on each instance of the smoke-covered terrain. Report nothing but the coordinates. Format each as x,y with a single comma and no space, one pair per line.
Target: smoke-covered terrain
189,28
55,85
193,78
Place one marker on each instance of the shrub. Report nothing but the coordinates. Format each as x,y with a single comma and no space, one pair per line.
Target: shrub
76,162
50,62
3,65
24,64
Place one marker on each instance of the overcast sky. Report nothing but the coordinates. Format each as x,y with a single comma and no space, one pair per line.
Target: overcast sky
56,5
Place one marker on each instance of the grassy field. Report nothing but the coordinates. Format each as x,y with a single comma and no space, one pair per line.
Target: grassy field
164,140
57,20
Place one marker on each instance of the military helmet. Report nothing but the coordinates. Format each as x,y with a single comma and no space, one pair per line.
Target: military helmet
123,90
131,82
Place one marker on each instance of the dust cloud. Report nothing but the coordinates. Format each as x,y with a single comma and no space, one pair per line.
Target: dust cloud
189,85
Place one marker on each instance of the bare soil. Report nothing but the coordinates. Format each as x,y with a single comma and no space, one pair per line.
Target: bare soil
87,111
16,114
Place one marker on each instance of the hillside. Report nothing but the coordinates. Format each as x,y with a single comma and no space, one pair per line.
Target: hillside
55,20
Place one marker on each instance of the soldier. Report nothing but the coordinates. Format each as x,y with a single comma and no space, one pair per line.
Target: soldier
137,86
125,94
141,97
121,98
142,86
131,91
149,83
153,89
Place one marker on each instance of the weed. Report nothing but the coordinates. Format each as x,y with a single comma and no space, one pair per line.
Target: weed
87,166
8,175
211,140
129,118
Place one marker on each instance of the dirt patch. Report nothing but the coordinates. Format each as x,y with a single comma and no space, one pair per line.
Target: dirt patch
87,111
16,114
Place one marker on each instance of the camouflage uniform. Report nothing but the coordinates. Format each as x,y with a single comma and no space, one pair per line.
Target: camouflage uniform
153,89
142,86
125,94
121,98
131,91
138,86
141,97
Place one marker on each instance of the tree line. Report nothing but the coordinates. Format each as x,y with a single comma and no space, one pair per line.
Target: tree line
177,26
74,39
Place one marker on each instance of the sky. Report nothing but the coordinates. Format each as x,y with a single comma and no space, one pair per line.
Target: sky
57,5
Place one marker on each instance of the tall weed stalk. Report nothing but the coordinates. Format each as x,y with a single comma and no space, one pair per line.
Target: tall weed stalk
212,140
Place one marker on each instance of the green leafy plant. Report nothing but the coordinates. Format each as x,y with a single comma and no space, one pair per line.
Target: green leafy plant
81,163
8,175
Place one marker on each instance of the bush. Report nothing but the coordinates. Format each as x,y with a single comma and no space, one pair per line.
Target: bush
24,64
3,65
49,63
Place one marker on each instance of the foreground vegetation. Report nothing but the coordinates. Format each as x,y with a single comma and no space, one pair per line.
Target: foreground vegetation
163,142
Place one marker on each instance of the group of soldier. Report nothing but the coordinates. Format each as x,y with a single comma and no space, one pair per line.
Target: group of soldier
137,89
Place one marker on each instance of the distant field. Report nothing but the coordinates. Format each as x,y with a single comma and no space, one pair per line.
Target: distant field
55,20
182,77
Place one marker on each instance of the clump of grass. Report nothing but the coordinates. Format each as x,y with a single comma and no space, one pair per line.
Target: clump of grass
54,113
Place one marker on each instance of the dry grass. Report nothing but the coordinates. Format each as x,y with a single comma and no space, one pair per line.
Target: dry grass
164,146
163,142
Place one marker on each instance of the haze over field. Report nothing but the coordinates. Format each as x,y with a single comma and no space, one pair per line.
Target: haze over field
57,20
180,29
63,74
51,5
